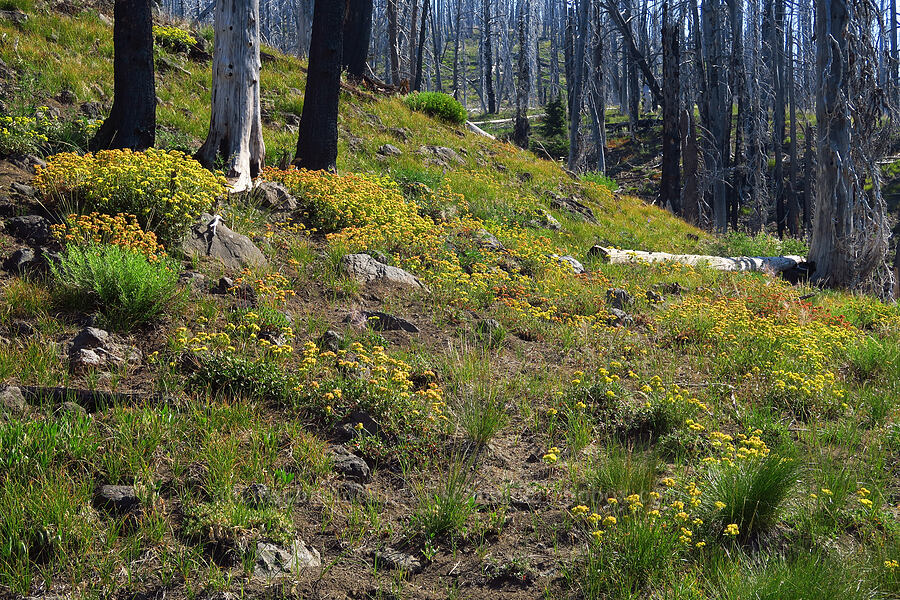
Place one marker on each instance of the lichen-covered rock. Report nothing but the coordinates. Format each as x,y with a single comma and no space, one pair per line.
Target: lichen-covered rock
210,237
365,269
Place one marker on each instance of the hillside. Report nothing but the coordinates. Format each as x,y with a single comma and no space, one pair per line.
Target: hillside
400,384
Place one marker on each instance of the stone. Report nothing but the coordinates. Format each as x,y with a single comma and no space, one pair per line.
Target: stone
395,560
71,408
654,297
348,465
22,261
193,279
572,206
379,321
544,220
441,155
257,495
352,491
331,340
576,266
33,229
223,286
91,337
11,400
29,162
210,237
487,240
66,97
117,499
84,359
92,110
273,560
16,16
619,318
366,270
619,298
274,196
23,190
20,328
488,327
389,150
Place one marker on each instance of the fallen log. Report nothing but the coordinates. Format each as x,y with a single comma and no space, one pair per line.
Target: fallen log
768,264
478,130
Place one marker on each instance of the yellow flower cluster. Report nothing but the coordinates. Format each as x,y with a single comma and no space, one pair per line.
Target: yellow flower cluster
21,135
166,191
118,230
173,38
272,289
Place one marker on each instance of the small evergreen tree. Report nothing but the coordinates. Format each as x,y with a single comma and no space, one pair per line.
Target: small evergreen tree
554,122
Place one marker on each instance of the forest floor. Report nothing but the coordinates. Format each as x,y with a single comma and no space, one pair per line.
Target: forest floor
517,430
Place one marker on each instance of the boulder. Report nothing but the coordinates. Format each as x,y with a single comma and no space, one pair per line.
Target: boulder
274,196
11,400
348,465
273,560
389,150
331,341
487,240
544,220
379,321
441,155
117,499
573,206
618,318
576,266
210,237
619,298
33,229
366,270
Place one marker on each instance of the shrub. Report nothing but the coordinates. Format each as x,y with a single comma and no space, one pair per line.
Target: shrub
737,243
224,373
40,134
165,190
22,135
173,38
601,180
437,105
118,230
124,285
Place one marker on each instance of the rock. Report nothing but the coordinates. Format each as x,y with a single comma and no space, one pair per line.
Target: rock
619,318
33,229
441,155
348,465
331,340
398,561
20,189
273,560
349,424
572,206
389,150
66,97
20,328
71,408
291,120
444,213
487,240
654,297
257,495
274,196
92,110
29,162
90,337
117,499
22,261
380,321
352,491
365,269
16,16
488,327
576,266
544,220
223,286
193,278
619,298
84,359
211,238
11,400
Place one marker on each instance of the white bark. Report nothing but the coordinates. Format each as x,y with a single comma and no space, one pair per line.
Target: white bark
235,131
772,264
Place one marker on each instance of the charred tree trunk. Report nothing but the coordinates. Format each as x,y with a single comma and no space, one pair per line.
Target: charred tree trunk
575,101
522,127
357,33
132,121
670,185
421,51
317,142
393,40
598,94
777,45
718,110
456,38
690,200
793,201
488,56
235,130
809,166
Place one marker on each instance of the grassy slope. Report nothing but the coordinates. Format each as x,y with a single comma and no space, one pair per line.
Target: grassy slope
612,411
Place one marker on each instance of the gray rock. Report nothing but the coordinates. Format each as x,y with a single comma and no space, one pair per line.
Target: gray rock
654,297
487,240
223,286
90,337
365,269
573,206
331,340
22,190
352,491
348,465
92,110
619,318
398,561
544,220
16,16
11,400
84,359
220,243
117,499
441,155
576,266
389,150
379,321
274,196
257,495
619,298
193,279
33,229
71,408
22,261
273,560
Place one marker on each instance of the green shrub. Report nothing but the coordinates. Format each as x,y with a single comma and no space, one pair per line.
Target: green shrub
224,373
437,105
601,179
173,38
125,286
554,124
166,191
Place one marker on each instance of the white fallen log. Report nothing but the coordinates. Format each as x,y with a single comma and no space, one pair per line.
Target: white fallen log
476,129
769,264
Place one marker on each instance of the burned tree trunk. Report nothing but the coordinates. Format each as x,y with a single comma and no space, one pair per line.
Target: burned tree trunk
317,142
522,127
357,33
132,121
690,200
670,185
393,40
235,130
488,56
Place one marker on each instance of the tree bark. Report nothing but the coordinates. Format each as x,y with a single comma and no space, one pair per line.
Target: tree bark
575,101
456,50
393,41
420,54
777,45
132,121
670,184
357,33
522,127
488,56
690,200
793,202
317,142
235,130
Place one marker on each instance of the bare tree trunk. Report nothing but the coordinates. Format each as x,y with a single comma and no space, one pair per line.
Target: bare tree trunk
357,33
235,130
576,99
522,127
411,45
598,93
132,121
458,34
393,41
488,56
421,52
808,180
670,185
793,204
690,199
438,54
777,45
317,142
718,110
739,87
